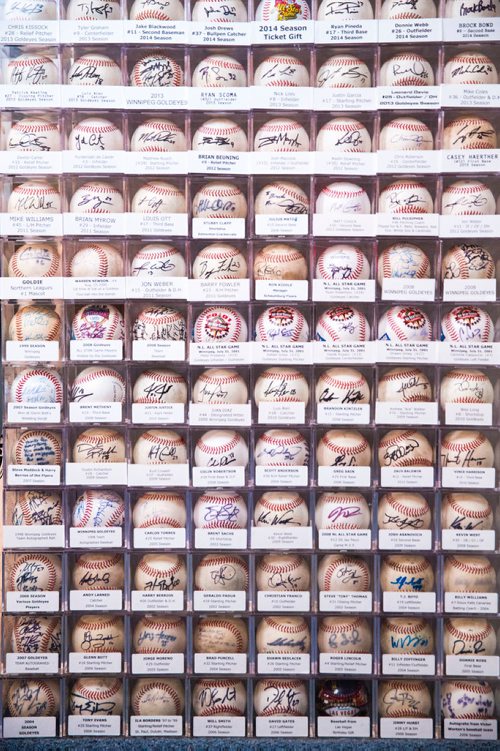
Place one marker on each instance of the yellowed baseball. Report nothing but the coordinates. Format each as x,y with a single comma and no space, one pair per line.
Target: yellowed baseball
405,448
280,261
161,572
98,633
345,634
342,510
474,636
404,384
283,634
88,693
221,697
159,446
342,385
225,634
466,448
469,573
404,510
97,571
282,572
221,572
99,445
469,132
406,573
466,511
340,572
157,697
159,634
343,448
404,698
406,636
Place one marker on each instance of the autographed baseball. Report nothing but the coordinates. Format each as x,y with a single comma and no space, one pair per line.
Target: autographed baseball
43,10
37,386
470,132
221,572
159,446
221,448
281,197
339,572
467,323
469,636
220,261
281,384
343,198
98,383
220,634
98,321
95,69
220,509
470,68
159,508
342,510
281,447
166,10
403,261
470,9
281,134
344,634
342,262
220,199
404,384
159,634
95,134
34,572
281,572
466,699
469,573
34,197
160,572
219,71
220,697
84,11
330,10
158,134
280,696
33,697
342,386
219,134
466,448
406,133
281,70
96,696
96,260
31,69
35,634
33,134
405,196
465,386
159,323
404,511
466,511
406,636
405,324
392,9
37,507
38,259
281,323
98,508
160,386
283,634
98,633
343,72
284,10
220,324
96,197
279,261
156,70
216,11
342,323
98,571
281,507
467,198
347,448
404,698
158,197
157,697
158,259
40,447
406,69
99,445
343,134
405,448
406,573
468,261
220,386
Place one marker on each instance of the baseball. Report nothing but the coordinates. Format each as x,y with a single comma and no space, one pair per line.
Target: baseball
470,9
98,321
342,510
33,697
467,198
158,197
96,696
160,572
405,324
37,386
156,70
471,132
221,572
281,70
159,509
33,134
220,509
98,384
342,262
159,323
159,446
220,199
98,571
470,68
216,11
406,133
166,10
405,448
95,134
219,134
468,261
281,197
34,323
98,633
406,69
77,10
281,447
406,636
281,507
344,633
220,261
466,448
283,634
159,386
404,511
34,197
39,447
469,573
157,697
343,134
469,636
96,197
220,324
38,259
220,697
158,134
342,385
404,384
44,10
221,448
339,572
403,261
281,323
467,700
96,260
467,323
220,634
465,386
330,10
34,572
343,198
37,507
391,9
342,698
342,323
406,573
405,197
279,261
98,508
343,448
219,71
99,445
279,572
466,511
158,259
280,696
343,72
159,634
94,69
281,134
404,698
36,633
32,69
267,10
220,386
281,384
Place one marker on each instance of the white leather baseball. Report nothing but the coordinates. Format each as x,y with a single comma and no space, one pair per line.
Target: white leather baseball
406,69
216,11
281,507
158,197
465,386
343,71
38,259
281,323
281,384
95,134
99,445
268,10
467,699
167,10
95,69
98,633
406,133
98,383
342,261
220,199
98,321
33,134
403,261
32,69
158,134
98,508
95,259
159,323
406,573
468,261
342,197
33,697
405,448
96,197
38,507
343,385
96,696
329,10
469,573
404,698
34,572
469,636
159,634
222,697
466,448
281,572
281,134
221,448
339,572
159,508
77,10
158,259
216,634
405,196
283,634
37,386
219,71
156,69
37,447
220,324
404,511
343,448
281,447
98,571
34,197
344,633
470,68
281,197
279,261
220,509
42,10
342,509
159,386
157,697
467,198
281,70
220,386
404,384
405,323
219,134
467,323
221,572
159,446
160,572
466,511
343,134
280,696
220,261
36,633
469,132
406,636
392,9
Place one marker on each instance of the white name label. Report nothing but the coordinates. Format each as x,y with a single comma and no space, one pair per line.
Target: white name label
406,728
471,602
408,664
360,602
279,536
283,602
408,602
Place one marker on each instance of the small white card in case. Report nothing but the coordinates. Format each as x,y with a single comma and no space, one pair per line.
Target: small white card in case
468,29
220,662
171,225
362,99
359,477
156,97
465,477
281,477
29,727
92,224
37,32
408,289
32,602
280,162
337,352
292,664
226,228
281,224
226,98
280,289
468,539
407,162
416,97
473,665
155,414
92,97
88,473
86,662
144,287
283,601
405,352
220,414
219,162
408,224
169,663
158,475
406,727
401,664
160,599
102,599
219,290
344,539
160,537
220,538
483,225
92,726
329,413
32,662
406,413
95,537
220,34
32,474
213,477
26,413
289,98
219,727
350,225
283,32
32,351
32,224
156,725
469,353
470,95
153,31
95,288
470,290
96,349
280,536
281,726
285,353
412,30
407,477
282,413
358,602
471,729
217,600
471,602
237,353
158,350
468,414
31,288
405,539
344,290
344,727
102,31
473,160
346,32
351,663
409,602
95,412
348,163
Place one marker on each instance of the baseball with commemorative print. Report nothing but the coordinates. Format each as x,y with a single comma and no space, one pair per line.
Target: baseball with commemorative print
98,321
39,259
216,634
35,634
220,386
160,572
342,323
404,511
98,571
221,448
221,572
342,262
98,633
281,507
219,71
406,573
342,509
281,323
466,511
343,135
406,636
220,324
339,572
283,634
157,697
159,508
281,447
405,448
284,10
282,572
343,448
98,508
220,509
159,634
467,323
405,324
344,634
158,134
99,445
